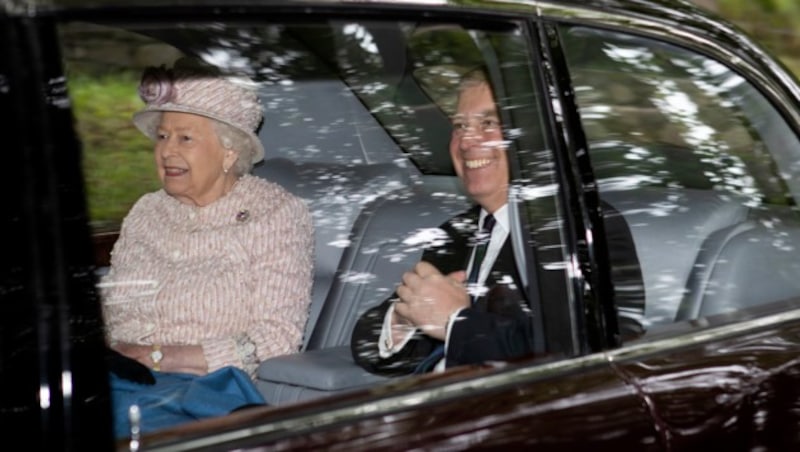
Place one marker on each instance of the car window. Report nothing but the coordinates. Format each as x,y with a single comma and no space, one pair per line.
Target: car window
357,123
701,166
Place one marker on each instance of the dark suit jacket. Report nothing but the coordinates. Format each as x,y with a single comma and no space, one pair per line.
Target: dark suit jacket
499,325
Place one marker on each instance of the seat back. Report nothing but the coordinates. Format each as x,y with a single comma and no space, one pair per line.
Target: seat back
670,228
387,239
748,264
337,159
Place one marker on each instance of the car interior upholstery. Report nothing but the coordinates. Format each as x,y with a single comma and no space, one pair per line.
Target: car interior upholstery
357,183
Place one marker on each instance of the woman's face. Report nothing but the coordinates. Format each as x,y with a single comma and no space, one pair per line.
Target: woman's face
190,159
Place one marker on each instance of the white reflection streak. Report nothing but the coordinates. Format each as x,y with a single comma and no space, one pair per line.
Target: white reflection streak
220,58
426,237
44,396
680,107
531,192
574,268
357,277
363,37
676,104
626,183
341,243
146,288
723,376
560,265
66,383
635,57
596,111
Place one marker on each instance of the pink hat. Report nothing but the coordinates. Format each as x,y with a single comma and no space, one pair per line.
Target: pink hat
199,92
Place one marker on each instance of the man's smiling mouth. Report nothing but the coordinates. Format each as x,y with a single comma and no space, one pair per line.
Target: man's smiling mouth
478,163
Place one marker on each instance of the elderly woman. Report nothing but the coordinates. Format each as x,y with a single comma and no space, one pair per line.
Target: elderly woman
215,269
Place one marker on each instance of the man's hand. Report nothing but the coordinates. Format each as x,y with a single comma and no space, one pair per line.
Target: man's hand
428,298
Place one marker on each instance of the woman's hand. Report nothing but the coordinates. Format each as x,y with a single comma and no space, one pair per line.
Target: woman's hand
176,358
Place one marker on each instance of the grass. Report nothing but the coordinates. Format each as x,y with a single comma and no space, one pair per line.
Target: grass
117,158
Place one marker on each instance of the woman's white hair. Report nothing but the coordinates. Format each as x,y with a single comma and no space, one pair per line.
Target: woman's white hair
232,138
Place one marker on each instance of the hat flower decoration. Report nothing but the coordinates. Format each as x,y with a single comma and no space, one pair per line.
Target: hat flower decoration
156,85
200,90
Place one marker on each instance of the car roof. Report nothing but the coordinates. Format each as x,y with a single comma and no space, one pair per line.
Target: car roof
664,7
678,13
671,19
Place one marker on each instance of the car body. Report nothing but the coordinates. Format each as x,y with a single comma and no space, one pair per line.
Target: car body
673,117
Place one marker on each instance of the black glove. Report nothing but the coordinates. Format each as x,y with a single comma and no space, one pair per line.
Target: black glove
128,368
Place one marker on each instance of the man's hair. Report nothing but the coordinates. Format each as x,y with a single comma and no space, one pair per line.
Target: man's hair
473,78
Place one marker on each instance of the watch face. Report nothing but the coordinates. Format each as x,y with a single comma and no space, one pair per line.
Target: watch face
156,356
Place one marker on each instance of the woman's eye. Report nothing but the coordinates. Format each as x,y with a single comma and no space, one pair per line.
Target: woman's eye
161,136
186,138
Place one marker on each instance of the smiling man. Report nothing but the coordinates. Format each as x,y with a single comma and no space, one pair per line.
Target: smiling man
462,302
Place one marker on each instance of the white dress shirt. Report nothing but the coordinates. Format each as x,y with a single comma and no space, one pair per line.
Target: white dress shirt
387,348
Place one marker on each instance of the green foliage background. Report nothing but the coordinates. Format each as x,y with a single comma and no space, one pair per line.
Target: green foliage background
117,159
775,24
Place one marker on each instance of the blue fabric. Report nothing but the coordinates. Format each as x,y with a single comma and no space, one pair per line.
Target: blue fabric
429,363
177,398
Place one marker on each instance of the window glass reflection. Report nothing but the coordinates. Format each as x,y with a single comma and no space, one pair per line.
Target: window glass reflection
698,162
356,123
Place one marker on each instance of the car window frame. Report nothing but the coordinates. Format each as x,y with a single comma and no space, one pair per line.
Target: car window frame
472,378
779,92
56,364
292,421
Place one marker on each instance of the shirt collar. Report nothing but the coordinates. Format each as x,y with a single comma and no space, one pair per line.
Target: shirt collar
500,217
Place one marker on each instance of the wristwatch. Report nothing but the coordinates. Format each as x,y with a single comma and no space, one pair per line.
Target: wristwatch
156,355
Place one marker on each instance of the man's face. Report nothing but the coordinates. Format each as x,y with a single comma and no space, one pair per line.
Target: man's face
477,147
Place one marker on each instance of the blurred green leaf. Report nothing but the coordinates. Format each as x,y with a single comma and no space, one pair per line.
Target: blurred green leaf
117,158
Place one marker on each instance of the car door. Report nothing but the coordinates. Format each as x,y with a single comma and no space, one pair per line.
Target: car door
524,402
688,374
580,393
698,155
52,372
563,397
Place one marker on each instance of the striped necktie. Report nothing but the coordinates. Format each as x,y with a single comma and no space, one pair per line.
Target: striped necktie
482,243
